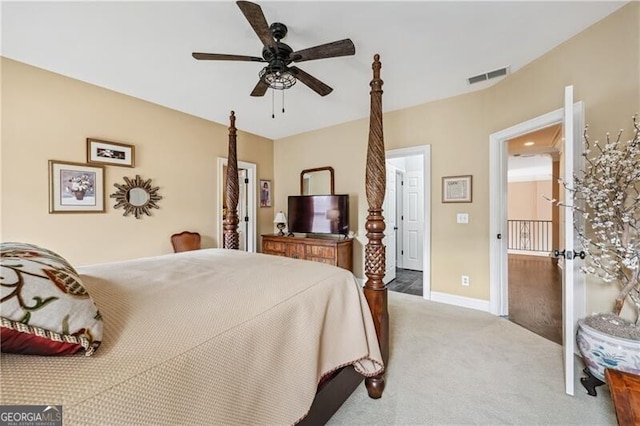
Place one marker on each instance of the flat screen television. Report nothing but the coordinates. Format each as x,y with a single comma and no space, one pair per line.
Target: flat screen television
319,214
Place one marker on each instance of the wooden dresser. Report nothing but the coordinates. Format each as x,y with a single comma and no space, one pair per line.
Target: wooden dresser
625,394
338,252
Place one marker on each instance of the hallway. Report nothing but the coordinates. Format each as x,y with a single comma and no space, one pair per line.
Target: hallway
535,295
407,281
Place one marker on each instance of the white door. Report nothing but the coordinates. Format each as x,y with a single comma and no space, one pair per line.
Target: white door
412,221
389,213
572,279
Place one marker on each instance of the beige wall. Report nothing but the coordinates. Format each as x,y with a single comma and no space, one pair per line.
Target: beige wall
526,200
603,65
47,116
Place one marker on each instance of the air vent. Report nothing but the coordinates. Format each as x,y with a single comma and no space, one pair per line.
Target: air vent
477,78
487,76
496,73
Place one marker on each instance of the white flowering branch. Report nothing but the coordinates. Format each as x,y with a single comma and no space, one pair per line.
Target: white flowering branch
609,187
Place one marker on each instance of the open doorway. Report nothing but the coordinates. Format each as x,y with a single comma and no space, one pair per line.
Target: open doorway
571,115
407,217
498,206
534,280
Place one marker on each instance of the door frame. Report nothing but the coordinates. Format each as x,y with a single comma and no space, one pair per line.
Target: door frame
399,213
425,151
498,203
251,202
390,239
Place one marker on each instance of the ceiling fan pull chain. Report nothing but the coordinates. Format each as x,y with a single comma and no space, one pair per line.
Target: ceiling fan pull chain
273,115
283,101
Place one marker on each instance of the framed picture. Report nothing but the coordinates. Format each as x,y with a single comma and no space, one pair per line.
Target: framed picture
265,193
457,189
113,153
75,188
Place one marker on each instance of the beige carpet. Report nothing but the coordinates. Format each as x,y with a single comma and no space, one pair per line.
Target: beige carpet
457,366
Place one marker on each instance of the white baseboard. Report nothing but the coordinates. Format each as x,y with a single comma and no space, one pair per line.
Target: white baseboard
461,301
531,253
450,299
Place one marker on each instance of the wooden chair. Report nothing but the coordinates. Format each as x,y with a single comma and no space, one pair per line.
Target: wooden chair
185,241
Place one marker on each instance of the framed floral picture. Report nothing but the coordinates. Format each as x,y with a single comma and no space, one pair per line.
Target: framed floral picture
112,153
75,188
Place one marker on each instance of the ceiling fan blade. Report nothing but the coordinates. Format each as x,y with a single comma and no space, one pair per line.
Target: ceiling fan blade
224,57
316,85
260,89
254,15
330,50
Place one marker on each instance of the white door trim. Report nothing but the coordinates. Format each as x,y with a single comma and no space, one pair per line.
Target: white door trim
425,151
399,213
251,203
498,150
389,206
568,276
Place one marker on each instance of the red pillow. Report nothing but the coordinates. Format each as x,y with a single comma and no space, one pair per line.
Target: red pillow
18,342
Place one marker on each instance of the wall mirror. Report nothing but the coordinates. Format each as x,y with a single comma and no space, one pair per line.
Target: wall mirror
318,181
136,196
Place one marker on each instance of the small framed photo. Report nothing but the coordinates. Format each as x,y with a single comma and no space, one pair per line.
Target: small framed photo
75,188
457,189
265,193
112,153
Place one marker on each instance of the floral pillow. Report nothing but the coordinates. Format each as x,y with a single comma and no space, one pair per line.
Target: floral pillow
44,308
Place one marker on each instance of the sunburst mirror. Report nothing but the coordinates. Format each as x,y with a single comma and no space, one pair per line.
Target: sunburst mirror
136,196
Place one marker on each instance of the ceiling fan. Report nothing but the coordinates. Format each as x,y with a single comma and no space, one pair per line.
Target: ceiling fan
278,73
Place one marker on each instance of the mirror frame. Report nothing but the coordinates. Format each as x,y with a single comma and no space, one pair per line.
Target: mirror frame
122,199
317,169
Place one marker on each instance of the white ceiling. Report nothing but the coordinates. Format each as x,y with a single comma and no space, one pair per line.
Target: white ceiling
529,168
428,50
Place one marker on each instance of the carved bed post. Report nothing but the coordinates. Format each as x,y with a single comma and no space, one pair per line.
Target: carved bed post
374,289
231,239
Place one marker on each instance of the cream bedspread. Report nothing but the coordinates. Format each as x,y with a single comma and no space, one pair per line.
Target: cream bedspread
205,337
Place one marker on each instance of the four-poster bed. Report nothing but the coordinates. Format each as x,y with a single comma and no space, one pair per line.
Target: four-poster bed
186,340
374,289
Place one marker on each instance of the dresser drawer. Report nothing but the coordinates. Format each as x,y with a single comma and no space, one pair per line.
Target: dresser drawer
273,246
320,251
295,251
328,261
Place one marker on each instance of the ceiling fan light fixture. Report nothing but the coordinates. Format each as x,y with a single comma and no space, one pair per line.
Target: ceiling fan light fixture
277,78
277,74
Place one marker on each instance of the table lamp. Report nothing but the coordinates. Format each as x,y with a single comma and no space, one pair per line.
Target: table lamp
281,222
